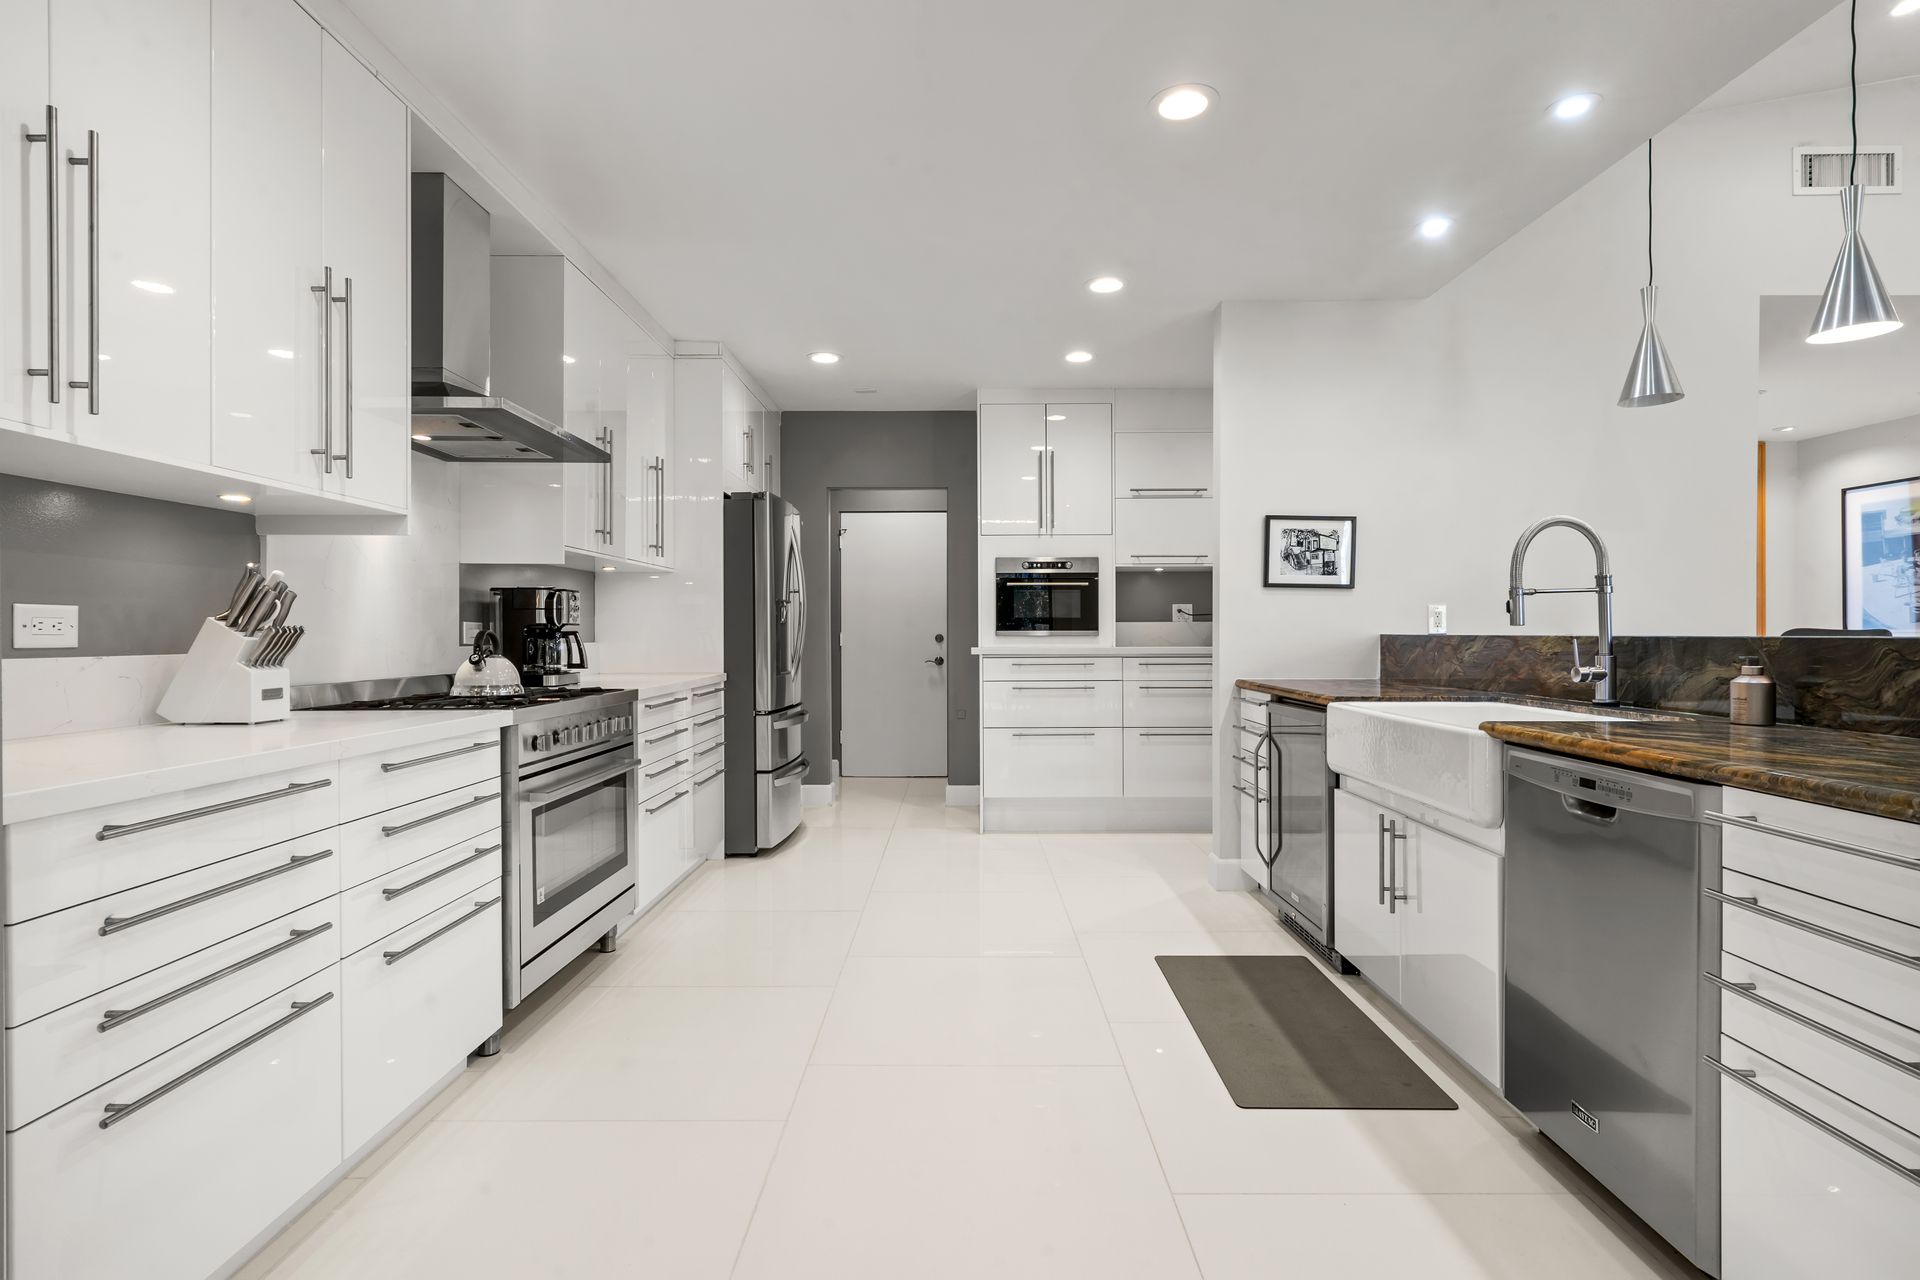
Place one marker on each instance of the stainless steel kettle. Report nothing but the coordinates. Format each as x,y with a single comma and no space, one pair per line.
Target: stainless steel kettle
485,674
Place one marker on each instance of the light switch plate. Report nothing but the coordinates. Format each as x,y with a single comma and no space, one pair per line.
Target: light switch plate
469,632
1436,619
46,626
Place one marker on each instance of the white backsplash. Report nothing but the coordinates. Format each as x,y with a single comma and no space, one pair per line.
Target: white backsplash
39,696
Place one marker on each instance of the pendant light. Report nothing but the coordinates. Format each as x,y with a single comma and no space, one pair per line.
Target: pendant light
1650,378
1856,304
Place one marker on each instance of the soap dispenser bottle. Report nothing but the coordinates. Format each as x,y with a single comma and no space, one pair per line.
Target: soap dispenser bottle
1750,694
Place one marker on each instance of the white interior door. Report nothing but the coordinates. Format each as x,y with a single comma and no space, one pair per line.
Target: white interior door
893,644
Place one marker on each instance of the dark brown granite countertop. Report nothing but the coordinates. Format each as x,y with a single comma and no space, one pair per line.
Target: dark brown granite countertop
1872,773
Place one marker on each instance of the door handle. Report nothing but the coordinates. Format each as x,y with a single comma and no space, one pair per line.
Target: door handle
52,138
346,391
325,290
91,162
936,662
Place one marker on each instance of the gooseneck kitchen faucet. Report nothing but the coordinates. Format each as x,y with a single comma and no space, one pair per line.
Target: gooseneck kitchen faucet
1599,675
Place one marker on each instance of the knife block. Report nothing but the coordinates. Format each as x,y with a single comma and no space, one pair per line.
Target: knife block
215,686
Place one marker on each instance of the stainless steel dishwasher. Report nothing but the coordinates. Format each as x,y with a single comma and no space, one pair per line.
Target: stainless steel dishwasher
1606,1021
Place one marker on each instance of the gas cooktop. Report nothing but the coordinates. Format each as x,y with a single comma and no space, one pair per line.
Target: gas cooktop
460,702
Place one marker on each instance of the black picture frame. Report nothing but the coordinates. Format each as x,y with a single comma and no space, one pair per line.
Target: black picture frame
1853,609
1299,562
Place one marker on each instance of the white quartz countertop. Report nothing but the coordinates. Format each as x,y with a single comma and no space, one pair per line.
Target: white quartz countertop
647,684
1095,651
66,772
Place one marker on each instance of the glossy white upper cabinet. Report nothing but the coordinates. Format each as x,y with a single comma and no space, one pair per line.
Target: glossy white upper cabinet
267,317
1012,439
25,250
1080,469
1046,469
365,186
132,85
649,463
1163,464
590,525
741,425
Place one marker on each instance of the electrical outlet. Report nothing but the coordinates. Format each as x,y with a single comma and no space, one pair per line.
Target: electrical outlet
1182,613
469,632
46,626
1436,619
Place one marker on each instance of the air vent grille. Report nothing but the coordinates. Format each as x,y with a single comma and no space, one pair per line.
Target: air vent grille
1822,171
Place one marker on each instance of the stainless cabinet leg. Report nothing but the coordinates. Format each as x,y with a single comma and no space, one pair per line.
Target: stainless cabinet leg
489,1046
609,942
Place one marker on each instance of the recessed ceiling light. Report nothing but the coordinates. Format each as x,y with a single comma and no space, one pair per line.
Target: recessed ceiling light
423,437
606,568
151,286
1436,226
237,414
1575,105
824,357
1106,284
280,353
1079,357
567,359
1058,417
238,499
1904,8
1786,429
1183,101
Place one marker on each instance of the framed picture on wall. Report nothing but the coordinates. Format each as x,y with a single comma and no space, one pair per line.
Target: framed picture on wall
1880,556
1309,551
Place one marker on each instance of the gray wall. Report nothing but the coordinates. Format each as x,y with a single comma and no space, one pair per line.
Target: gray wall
824,452
144,573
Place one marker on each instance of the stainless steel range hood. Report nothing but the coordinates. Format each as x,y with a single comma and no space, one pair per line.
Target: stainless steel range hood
453,407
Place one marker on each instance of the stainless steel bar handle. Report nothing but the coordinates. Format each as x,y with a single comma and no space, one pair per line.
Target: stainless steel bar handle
1040,495
1276,790
1053,490
1186,488
1043,688
1246,759
1394,894
608,481
713,719
708,750
118,1111
1817,930
474,803
666,768
52,140
792,773
397,765
431,876
675,798
1066,733
1177,688
655,706
1746,822
709,778
788,719
574,786
1251,794
113,830
1750,992
91,161
1147,662
1050,664
1169,555
660,507
1747,1080
1176,733
346,416
1380,847
120,1017
662,737
479,909
114,924
325,290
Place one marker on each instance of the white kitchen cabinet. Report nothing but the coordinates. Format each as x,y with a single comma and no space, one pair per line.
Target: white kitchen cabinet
709,815
365,188
649,462
1365,929
1046,469
1167,762
1168,704
1050,763
1418,912
25,249
586,378
1167,531
1159,464
136,78
1050,704
742,430
208,1144
665,839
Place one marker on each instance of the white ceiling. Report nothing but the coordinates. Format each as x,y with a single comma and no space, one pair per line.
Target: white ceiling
926,185
1820,388
1816,60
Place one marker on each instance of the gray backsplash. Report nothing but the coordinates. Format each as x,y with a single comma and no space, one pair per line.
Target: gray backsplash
144,573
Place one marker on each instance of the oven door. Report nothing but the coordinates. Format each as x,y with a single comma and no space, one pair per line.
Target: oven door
573,846
1046,603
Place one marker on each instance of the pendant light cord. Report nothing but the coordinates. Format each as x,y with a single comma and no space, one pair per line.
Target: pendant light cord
1649,212
1853,86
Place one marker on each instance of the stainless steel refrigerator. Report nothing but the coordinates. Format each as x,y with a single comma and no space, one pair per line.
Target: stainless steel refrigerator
766,639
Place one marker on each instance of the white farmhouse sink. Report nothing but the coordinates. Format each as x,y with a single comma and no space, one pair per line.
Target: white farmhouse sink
1432,752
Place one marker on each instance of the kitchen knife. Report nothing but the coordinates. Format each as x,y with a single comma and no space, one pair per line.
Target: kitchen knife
259,605
271,610
242,592
287,598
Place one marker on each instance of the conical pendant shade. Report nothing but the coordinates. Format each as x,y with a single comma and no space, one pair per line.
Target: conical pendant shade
1856,304
1650,378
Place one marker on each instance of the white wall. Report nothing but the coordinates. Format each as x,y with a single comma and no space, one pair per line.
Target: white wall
379,606
1449,424
1823,466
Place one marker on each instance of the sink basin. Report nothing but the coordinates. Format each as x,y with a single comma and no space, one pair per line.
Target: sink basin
1432,752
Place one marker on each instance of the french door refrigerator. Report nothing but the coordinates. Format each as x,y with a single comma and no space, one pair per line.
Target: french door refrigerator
765,608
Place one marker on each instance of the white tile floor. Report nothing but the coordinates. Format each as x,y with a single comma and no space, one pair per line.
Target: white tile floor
897,1048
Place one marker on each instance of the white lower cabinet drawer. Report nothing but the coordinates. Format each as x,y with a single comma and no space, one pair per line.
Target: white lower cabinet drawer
63,1054
77,857
658,709
665,741
1045,763
167,1171
1168,762
1169,669
709,802
1043,667
708,725
663,773
388,779
371,910
1796,1202
1169,703
664,837
1045,704
1847,969
417,1003
384,842
59,958
706,699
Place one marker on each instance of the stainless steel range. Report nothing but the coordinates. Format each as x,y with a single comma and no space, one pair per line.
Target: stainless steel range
567,802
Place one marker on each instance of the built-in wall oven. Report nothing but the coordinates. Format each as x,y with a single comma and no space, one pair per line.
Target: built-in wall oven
1046,597
571,853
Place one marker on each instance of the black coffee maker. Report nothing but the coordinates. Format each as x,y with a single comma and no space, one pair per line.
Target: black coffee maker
539,629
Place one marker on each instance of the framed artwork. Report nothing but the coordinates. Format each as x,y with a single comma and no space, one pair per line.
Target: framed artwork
1880,556
1309,551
